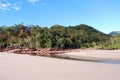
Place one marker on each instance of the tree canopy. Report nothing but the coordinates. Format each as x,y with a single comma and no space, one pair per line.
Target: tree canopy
57,36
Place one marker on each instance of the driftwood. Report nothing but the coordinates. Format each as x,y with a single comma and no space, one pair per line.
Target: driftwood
42,51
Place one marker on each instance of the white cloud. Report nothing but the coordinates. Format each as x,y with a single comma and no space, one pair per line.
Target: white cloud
6,6
16,8
33,1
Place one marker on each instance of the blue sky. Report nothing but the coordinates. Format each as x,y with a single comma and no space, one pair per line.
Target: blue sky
103,15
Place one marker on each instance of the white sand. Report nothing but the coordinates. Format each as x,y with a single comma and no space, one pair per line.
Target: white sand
26,67
96,54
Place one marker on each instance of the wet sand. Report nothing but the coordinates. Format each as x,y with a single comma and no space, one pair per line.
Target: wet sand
94,55
27,67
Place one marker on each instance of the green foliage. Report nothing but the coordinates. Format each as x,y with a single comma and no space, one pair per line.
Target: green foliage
2,42
113,42
60,37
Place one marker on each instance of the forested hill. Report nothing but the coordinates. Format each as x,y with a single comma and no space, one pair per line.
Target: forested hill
57,36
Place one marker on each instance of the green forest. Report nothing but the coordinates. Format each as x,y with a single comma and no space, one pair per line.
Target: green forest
57,37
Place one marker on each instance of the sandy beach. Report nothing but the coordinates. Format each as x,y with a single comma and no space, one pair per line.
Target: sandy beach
94,55
27,67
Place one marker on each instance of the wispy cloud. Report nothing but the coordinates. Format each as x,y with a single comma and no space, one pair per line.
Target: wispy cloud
16,8
33,1
7,6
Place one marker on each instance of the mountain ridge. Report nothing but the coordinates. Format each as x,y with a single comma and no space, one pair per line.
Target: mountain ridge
113,33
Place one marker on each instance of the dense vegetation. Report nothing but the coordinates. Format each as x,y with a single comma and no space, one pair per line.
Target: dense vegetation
57,37
113,42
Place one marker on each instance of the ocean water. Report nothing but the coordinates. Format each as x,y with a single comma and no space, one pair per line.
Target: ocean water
111,61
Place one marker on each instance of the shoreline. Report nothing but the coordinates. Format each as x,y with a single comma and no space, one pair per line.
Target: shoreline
93,55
